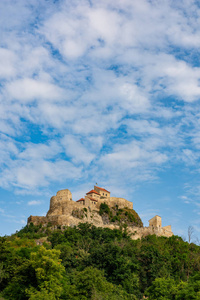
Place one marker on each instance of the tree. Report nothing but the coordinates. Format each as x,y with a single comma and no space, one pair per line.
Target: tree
162,289
189,290
39,277
190,233
91,284
49,274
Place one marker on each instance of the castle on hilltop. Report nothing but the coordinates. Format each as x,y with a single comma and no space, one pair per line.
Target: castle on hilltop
59,204
63,211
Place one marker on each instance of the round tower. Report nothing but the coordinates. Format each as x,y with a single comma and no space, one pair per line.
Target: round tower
64,195
58,202
53,202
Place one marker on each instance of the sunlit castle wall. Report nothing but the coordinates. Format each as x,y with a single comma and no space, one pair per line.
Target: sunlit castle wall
59,202
155,222
113,201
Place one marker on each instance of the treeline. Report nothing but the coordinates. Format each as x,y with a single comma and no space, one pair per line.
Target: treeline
86,262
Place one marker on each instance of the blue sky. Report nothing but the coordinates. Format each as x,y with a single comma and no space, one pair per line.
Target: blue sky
100,91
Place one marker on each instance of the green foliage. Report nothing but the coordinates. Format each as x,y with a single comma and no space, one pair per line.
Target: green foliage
167,288
43,294
162,288
92,284
86,262
1,297
120,216
49,273
115,218
32,232
42,272
104,208
189,290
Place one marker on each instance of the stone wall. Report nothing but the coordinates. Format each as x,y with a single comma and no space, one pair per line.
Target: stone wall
167,228
37,220
138,233
113,201
121,202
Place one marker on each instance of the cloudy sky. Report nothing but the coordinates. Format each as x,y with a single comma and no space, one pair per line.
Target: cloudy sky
100,92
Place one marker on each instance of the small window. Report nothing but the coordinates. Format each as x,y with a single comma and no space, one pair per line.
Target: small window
106,194
103,193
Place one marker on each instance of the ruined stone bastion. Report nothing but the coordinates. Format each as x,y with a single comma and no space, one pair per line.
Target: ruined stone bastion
63,211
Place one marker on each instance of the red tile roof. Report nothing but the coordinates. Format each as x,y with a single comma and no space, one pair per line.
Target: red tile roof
93,191
82,199
93,199
102,189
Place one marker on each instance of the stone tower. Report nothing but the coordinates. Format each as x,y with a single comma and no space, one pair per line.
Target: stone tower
155,222
58,203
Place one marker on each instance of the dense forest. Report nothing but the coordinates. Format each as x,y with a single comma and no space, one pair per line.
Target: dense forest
86,262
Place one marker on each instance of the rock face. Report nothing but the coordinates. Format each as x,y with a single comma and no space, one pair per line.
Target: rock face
117,212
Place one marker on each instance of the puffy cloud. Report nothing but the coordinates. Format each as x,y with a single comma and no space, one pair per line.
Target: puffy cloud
40,151
27,90
37,174
133,155
76,150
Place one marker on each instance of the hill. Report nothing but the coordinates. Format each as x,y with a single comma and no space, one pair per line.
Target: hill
88,262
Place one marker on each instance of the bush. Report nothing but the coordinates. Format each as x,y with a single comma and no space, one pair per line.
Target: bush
104,208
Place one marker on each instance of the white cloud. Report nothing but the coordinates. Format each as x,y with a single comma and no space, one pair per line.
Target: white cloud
183,80
75,149
189,157
7,148
35,174
133,100
139,127
30,90
23,222
7,60
133,156
40,151
34,202
55,115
